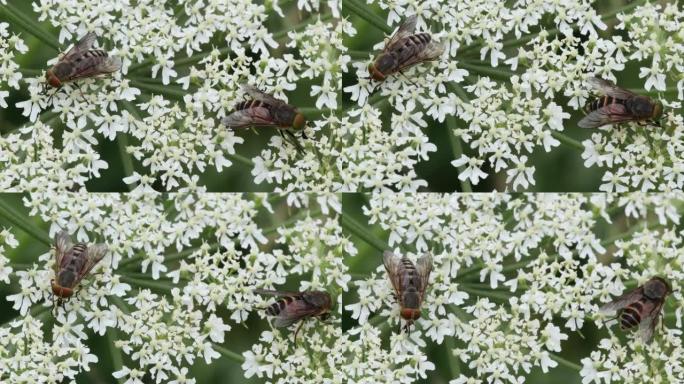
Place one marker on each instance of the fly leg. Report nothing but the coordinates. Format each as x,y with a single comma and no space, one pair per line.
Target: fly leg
409,80
81,91
299,147
297,331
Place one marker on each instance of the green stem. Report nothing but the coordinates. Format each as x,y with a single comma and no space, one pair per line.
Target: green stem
457,150
496,72
491,293
166,90
29,25
31,72
229,354
362,232
567,140
20,222
240,159
126,159
564,362
365,13
117,361
152,284
454,364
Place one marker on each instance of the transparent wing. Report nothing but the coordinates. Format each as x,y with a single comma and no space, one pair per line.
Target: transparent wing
62,245
432,51
609,88
407,28
95,253
249,117
610,114
293,312
649,322
392,266
81,46
256,94
623,301
424,267
107,65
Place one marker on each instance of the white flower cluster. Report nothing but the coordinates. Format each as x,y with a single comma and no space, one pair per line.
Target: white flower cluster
174,129
541,248
510,107
647,158
174,261
10,75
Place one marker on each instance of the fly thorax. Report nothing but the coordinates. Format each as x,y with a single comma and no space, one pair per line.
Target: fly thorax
66,278
385,63
284,115
62,70
655,289
410,298
641,106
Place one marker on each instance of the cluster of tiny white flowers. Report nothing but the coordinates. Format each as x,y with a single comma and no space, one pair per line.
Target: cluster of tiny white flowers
647,158
174,260
508,105
318,248
542,248
175,128
10,44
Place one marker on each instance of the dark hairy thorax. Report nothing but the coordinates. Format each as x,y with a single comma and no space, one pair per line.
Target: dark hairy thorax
640,106
401,52
71,265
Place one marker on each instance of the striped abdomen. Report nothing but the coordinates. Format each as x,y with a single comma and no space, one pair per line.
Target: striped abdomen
631,314
411,46
251,104
410,297
601,102
72,265
275,308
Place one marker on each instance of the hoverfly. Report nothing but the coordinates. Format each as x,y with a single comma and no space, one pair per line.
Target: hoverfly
72,263
81,62
403,50
409,282
295,306
641,306
618,105
264,110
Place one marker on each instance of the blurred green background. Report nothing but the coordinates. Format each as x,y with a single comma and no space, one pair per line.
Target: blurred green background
371,242
561,170
237,178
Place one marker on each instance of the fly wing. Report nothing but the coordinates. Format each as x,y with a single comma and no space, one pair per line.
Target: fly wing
610,114
297,310
623,301
81,46
424,267
94,253
609,88
649,322
256,94
393,267
250,117
432,51
97,66
62,245
406,29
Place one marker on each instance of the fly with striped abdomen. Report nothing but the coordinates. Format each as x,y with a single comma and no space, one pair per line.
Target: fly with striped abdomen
81,62
264,110
409,281
403,50
292,307
641,306
618,105
73,262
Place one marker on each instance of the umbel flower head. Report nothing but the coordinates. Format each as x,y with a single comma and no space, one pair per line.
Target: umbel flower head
514,278
181,73
510,78
176,284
